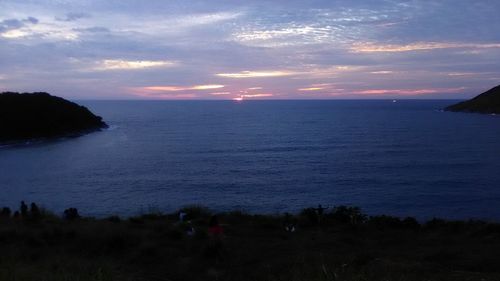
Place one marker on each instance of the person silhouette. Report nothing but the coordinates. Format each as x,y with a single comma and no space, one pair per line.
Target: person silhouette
289,223
182,216
5,212
190,231
35,211
214,228
24,209
215,232
319,212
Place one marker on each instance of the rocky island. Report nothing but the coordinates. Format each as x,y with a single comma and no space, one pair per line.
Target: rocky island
487,102
26,116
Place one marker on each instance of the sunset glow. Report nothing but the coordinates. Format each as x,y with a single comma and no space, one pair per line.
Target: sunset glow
311,89
180,88
300,50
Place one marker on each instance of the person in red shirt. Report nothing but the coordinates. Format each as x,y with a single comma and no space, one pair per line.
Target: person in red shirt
214,228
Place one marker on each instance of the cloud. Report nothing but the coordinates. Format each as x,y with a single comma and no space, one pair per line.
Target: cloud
206,18
293,49
73,17
411,92
382,72
34,31
131,65
311,89
14,24
180,24
419,46
325,72
15,33
182,88
94,29
285,36
175,92
257,74
165,96
252,96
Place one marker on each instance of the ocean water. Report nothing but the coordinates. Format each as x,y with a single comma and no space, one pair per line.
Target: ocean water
406,158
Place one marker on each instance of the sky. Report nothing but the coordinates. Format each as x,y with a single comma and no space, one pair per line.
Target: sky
281,49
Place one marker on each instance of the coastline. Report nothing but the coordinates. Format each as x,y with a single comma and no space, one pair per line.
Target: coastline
42,140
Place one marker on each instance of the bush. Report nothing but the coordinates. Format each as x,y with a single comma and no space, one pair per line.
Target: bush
309,216
393,222
5,212
71,214
115,219
347,215
194,212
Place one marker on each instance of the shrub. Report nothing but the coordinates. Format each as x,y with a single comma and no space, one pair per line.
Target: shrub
71,214
393,222
195,212
309,216
347,215
5,212
115,219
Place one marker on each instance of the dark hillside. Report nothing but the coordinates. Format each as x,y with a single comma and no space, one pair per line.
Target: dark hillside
39,115
487,102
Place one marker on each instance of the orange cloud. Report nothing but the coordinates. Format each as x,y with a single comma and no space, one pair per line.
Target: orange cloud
382,72
181,88
256,95
164,96
311,89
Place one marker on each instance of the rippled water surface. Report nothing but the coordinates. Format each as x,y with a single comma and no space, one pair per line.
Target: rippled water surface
403,158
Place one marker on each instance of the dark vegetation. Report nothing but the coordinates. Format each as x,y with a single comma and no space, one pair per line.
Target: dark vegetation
39,115
340,244
487,102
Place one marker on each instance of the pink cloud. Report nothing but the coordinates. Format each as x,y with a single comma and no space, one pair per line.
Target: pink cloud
410,92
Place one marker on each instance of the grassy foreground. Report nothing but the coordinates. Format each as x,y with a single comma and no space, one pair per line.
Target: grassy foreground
342,244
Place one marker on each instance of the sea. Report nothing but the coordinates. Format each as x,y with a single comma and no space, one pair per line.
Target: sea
400,158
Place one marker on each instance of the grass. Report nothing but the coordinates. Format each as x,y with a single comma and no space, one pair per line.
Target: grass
343,244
